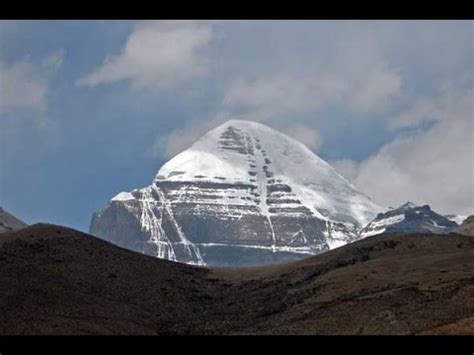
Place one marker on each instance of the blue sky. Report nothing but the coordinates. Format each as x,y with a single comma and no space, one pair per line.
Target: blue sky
92,108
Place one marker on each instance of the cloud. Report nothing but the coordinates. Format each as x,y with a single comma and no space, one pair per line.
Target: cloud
22,88
304,134
433,166
158,54
25,85
359,71
276,99
282,93
292,93
374,91
26,126
178,140
347,167
449,106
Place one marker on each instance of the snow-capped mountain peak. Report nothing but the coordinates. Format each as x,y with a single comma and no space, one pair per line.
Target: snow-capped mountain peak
243,193
408,218
459,219
407,205
237,150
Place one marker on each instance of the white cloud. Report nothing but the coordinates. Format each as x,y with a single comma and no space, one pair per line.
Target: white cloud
350,73
282,93
158,54
178,140
374,91
22,88
347,167
304,134
295,93
278,98
182,138
435,166
449,106
25,85
26,94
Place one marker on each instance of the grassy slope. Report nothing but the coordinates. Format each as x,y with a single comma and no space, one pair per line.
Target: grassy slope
54,280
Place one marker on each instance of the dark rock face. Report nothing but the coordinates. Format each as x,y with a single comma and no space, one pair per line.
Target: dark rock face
196,233
121,222
409,218
146,225
235,198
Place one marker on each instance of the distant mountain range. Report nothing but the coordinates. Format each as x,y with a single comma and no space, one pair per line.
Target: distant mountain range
244,195
408,218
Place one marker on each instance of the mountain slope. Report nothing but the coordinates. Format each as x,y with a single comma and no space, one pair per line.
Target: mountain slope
243,194
8,222
55,280
456,218
408,218
467,227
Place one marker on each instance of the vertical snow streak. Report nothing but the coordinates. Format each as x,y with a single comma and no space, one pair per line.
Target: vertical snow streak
152,225
262,190
188,245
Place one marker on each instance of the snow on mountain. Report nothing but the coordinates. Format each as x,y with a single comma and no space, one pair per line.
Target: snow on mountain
123,196
408,218
220,156
243,194
467,226
456,218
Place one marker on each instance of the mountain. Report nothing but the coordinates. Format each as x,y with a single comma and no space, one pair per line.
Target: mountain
467,227
456,218
8,222
243,194
55,280
408,218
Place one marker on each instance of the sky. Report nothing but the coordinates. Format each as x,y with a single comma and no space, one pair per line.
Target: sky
92,108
